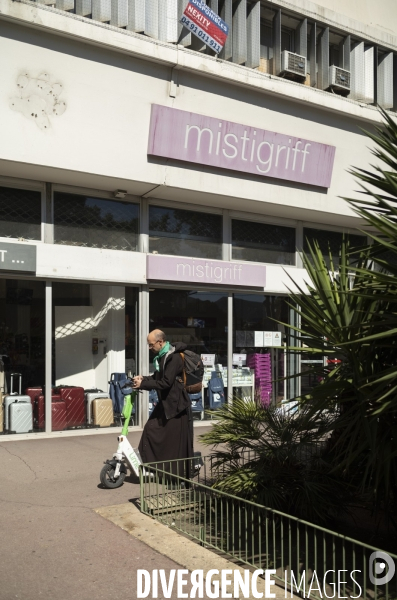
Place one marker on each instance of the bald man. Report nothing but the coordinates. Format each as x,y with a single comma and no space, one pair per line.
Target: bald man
168,434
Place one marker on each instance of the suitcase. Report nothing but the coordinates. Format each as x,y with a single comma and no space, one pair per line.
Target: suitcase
75,404
58,409
91,395
59,416
21,415
33,392
102,412
13,397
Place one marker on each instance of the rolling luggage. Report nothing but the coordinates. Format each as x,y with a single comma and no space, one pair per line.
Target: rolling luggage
33,392
102,412
75,405
15,397
58,409
21,415
59,416
91,395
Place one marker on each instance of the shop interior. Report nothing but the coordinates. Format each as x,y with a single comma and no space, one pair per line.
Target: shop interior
94,334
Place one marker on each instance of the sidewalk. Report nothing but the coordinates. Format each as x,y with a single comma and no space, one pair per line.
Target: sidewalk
53,545
65,538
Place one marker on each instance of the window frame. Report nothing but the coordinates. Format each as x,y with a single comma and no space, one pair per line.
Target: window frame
29,186
101,195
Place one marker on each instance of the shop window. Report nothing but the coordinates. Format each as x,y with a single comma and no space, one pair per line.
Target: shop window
258,352
95,222
22,351
198,319
94,335
185,232
20,213
330,241
260,242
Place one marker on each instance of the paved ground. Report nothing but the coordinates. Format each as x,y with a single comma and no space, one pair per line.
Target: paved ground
53,546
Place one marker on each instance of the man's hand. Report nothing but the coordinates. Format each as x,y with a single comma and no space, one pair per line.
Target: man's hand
137,381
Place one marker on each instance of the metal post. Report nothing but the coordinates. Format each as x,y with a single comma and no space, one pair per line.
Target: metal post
48,356
144,355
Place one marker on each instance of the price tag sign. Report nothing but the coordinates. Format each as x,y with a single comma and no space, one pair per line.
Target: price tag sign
208,360
276,338
204,23
239,359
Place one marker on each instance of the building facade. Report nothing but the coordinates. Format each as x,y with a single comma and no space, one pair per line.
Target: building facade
146,182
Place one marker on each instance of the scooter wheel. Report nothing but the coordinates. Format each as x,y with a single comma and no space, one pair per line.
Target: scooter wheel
107,477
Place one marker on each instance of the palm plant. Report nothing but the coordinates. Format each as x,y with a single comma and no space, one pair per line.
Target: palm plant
378,209
348,311
344,316
351,311
275,459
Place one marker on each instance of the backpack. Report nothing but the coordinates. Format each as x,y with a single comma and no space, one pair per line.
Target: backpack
216,393
117,381
193,372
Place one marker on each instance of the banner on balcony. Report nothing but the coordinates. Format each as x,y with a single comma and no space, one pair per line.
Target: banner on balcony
203,22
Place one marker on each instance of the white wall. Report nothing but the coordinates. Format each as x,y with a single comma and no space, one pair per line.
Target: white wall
90,264
73,354
104,131
76,326
381,15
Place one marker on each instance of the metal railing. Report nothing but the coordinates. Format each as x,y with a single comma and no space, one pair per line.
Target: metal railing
307,558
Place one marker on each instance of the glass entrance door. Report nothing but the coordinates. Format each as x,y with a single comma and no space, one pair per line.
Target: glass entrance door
198,319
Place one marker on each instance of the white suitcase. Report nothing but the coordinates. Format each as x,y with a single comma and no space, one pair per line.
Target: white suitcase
14,397
21,416
89,397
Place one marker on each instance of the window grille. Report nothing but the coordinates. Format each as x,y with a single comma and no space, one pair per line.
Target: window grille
185,232
330,241
95,222
261,242
20,213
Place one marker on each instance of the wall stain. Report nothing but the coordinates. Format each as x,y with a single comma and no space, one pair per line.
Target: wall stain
38,99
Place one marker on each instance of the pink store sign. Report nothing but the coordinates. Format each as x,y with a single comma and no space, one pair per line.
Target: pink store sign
198,270
204,140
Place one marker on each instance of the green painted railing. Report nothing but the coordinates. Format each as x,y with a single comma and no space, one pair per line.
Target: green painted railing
308,559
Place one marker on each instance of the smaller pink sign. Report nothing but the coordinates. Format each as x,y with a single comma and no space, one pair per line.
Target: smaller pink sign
199,270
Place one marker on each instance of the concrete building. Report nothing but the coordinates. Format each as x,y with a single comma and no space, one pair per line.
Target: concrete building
147,182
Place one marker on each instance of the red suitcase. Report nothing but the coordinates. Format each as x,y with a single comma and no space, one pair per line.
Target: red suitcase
58,406
75,404
33,392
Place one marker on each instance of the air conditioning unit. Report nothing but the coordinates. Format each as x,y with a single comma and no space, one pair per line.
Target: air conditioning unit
293,65
339,79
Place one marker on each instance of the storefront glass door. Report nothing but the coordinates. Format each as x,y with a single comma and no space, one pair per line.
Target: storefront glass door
259,360
22,352
94,335
198,319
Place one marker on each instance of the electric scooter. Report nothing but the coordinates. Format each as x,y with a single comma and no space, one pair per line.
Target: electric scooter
114,470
